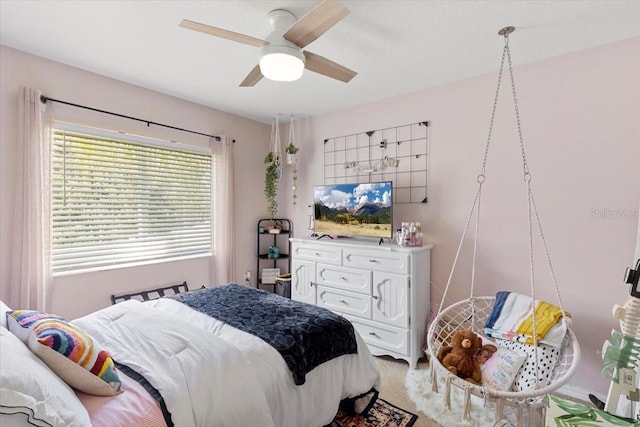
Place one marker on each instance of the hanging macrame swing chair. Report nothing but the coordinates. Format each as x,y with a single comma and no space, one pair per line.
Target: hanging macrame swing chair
473,312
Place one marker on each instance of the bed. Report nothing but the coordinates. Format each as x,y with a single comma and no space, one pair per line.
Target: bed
178,365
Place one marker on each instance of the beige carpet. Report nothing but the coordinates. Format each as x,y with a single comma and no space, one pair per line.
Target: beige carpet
393,390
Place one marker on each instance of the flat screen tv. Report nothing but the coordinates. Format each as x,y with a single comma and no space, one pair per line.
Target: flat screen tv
364,209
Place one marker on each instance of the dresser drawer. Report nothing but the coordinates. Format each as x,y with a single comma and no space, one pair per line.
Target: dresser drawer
391,262
382,336
350,279
344,302
320,253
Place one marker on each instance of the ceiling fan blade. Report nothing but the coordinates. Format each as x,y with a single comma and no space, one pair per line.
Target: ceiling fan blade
252,78
225,34
326,67
316,22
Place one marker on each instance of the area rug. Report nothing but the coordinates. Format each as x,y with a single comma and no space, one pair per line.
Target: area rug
382,414
566,413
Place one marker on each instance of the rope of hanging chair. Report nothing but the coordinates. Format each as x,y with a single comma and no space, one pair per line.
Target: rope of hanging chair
476,306
480,179
531,208
455,260
475,246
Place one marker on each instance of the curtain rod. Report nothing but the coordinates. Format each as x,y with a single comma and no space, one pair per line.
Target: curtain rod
44,100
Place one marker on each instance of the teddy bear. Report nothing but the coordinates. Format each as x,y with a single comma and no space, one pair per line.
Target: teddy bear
459,357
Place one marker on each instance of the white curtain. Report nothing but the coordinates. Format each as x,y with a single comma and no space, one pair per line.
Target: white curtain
638,237
223,265
31,273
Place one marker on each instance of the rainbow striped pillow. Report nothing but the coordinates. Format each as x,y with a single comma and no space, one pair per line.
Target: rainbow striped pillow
67,350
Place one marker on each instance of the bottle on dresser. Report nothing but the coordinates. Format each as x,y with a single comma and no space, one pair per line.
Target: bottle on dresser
410,234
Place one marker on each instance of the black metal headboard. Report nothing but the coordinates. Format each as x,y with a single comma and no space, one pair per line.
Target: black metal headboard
151,294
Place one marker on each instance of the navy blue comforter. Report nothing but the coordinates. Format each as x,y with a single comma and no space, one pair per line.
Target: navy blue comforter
305,335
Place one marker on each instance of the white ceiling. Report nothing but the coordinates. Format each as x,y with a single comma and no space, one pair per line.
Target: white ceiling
395,46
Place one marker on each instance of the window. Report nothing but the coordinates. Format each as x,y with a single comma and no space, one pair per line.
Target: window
120,199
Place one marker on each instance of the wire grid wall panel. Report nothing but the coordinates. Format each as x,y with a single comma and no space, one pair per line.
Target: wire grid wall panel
398,154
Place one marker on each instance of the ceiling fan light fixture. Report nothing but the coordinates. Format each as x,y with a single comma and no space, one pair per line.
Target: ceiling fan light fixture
281,63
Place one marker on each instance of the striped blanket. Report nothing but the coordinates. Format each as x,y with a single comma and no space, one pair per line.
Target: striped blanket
512,319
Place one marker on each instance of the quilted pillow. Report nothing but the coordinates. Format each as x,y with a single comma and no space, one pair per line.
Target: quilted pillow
499,365
547,359
68,351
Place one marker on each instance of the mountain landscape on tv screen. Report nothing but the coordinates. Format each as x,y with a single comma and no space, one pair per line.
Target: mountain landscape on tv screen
367,213
353,209
369,219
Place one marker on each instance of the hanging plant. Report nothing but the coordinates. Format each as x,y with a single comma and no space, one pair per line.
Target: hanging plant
291,151
272,174
271,177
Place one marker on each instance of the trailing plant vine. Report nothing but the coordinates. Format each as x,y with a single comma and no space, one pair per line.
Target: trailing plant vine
271,176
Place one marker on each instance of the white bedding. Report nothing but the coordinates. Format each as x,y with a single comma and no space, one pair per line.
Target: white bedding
209,372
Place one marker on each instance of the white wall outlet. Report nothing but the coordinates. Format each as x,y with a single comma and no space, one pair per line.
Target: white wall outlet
247,276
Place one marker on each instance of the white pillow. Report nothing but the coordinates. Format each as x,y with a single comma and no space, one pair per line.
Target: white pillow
501,366
3,314
29,390
547,359
72,354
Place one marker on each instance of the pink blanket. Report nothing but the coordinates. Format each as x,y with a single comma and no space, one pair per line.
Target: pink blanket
134,407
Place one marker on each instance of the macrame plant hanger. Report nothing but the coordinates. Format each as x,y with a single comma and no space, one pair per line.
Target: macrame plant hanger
473,312
275,146
291,159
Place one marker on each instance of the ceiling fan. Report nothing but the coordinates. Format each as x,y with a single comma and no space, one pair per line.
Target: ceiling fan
281,54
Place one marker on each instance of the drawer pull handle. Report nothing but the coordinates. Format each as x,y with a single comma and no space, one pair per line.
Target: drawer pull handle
344,302
373,334
343,278
373,260
317,253
374,296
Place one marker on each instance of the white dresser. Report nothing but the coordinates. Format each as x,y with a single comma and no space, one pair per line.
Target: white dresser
382,289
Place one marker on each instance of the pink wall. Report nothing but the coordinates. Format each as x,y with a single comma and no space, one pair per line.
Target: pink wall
77,294
579,115
580,121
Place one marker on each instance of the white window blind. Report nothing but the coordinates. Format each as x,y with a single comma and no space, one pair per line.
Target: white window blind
119,200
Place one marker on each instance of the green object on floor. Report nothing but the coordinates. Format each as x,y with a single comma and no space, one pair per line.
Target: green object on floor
566,413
